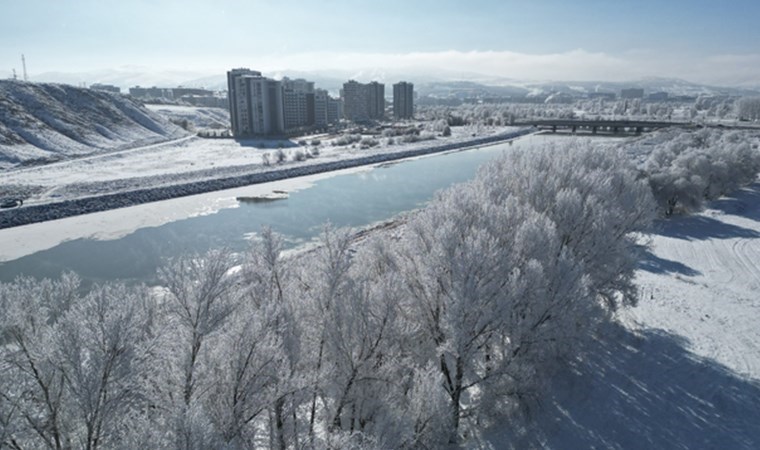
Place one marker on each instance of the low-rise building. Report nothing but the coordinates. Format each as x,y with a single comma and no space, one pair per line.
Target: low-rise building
632,93
106,88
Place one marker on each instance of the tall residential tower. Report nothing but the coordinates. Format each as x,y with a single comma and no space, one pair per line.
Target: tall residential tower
256,103
362,102
403,100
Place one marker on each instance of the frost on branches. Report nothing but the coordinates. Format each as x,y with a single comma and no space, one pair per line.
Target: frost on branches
412,339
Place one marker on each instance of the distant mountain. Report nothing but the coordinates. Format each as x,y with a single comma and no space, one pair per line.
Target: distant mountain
42,122
672,86
451,82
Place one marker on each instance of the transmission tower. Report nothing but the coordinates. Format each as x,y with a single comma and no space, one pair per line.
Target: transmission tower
23,63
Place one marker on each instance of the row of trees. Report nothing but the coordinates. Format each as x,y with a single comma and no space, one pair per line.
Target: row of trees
693,167
406,342
503,114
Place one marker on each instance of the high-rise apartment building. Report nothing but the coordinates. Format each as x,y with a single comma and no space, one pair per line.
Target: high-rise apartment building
363,102
355,101
320,107
298,103
403,100
256,103
376,100
334,109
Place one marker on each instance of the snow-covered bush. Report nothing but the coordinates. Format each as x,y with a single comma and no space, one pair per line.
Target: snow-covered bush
368,142
347,139
299,155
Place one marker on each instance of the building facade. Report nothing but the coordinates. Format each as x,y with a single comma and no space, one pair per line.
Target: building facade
355,101
256,104
363,102
106,88
236,103
150,93
632,93
376,100
334,110
320,108
262,106
403,100
298,103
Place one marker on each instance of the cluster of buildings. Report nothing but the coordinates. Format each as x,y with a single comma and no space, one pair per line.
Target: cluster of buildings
264,106
192,96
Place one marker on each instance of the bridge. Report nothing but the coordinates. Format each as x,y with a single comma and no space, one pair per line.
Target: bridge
601,126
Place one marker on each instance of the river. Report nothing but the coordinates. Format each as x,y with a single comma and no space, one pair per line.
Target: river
226,219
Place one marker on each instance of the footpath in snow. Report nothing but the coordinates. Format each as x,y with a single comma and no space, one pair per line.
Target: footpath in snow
681,369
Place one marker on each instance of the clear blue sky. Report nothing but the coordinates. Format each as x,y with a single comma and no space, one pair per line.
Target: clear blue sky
645,37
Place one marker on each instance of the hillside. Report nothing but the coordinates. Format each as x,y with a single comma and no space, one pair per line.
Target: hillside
200,117
41,123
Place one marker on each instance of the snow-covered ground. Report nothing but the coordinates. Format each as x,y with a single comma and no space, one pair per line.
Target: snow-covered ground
681,369
199,116
189,160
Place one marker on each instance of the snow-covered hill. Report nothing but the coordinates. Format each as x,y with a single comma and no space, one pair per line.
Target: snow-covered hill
41,123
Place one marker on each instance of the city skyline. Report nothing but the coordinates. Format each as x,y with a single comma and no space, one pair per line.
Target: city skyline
700,41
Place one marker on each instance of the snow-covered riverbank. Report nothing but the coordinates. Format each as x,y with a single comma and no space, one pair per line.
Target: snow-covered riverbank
64,200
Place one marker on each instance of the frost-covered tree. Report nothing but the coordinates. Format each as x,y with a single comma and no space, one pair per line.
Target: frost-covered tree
33,401
749,108
103,346
484,292
269,303
593,197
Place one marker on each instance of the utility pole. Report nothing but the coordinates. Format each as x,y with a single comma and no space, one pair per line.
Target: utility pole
23,63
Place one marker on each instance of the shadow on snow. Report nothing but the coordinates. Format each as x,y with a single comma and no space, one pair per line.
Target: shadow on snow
652,263
744,202
644,390
266,143
698,228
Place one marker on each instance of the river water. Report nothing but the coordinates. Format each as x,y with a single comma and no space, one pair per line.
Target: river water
356,199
